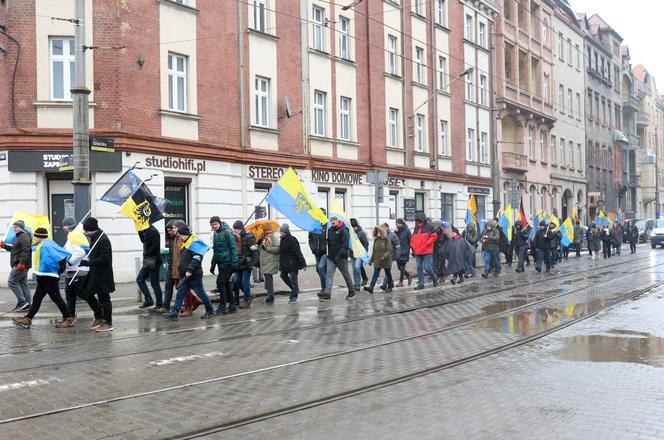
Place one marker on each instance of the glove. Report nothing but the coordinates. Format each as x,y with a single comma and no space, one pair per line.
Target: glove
20,267
2,243
212,269
84,263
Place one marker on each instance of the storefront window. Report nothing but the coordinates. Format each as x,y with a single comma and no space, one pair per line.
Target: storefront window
481,207
340,196
261,207
393,204
419,202
322,199
447,207
177,194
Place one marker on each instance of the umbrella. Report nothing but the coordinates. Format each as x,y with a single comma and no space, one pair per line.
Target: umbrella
258,227
436,224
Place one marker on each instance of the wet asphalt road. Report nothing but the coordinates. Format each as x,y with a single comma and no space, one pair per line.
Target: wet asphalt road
304,366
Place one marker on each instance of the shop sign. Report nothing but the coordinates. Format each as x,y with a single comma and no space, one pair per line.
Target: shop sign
105,145
259,172
478,190
50,161
176,208
410,209
176,163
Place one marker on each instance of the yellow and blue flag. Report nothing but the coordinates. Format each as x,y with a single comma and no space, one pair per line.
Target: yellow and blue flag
354,243
536,222
290,198
567,230
506,221
142,209
196,245
601,220
555,220
471,211
32,222
48,258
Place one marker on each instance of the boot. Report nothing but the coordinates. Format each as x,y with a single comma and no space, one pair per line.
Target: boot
400,284
246,304
410,279
23,322
66,323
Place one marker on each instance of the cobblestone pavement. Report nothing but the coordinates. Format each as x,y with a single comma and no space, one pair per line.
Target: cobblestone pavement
155,379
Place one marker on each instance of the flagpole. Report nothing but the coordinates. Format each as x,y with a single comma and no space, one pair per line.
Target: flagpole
254,211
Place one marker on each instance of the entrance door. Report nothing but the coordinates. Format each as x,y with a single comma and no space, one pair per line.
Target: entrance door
62,205
177,207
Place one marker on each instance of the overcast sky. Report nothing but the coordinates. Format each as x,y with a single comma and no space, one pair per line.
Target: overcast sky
639,22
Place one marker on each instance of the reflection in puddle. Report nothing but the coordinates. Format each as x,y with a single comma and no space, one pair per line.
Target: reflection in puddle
640,348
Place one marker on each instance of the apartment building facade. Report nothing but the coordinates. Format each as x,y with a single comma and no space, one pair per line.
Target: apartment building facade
631,154
217,99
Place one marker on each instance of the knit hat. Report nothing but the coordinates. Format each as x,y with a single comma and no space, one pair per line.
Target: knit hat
542,223
41,233
284,229
238,224
215,219
20,224
184,230
68,221
90,224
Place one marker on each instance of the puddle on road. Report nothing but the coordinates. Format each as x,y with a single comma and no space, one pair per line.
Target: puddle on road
622,346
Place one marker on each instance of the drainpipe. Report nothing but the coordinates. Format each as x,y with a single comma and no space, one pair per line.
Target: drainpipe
304,56
240,44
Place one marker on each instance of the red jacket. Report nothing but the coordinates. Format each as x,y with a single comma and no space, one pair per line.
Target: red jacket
423,239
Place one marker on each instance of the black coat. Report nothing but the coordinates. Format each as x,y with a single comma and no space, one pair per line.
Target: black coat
190,262
290,255
404,235
151,246
543,238
100,278
317,243
249,251
337,243
21,250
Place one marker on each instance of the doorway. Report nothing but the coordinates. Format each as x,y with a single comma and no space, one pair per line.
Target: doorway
62,206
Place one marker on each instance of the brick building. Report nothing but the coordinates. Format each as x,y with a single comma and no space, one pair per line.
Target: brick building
219,98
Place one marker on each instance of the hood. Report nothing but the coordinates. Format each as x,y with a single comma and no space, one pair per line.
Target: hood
341,224
421,217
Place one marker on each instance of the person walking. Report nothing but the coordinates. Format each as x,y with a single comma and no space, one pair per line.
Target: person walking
318,247
191,277
359,274
338,238
593,238
458,251
150,271
247,259
396,250
617,233
269,255
49,262
491,240
76,276
174,245
578,237
606,236
291,261
632,236
101,282
381,259
520,240
402,257
20,260
224,261
542,243
421,243
440,253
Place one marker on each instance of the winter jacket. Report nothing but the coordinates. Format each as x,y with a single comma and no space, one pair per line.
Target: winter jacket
492,239
555,242
151,247
543,238
224,247
317,244
578,234
175,255
290,254
592,235
520,238
337,242
439,245
404,235
632,234
396,244
606,236
190,262
248,251
21,250
381,255
100,260
470,234
270,254
423,237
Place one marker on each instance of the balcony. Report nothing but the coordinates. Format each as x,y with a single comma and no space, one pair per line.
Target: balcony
643,119
633,180
634,140
630,103
515,162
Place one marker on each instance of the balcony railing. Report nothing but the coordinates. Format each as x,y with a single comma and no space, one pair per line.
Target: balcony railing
643,119
631,102
515,162
633,139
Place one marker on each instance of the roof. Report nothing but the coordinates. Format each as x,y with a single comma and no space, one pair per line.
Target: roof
641,72
598,22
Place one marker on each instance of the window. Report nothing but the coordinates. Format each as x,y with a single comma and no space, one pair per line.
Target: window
469,27
447,207
541,142
344,118
570,104
419,132
319,28
553,149
507,9
441,17
570,154
531,197
562,152
442,72
419,202
580,158
481,37
578,106
470,88
483,85
561,98
393,128
323,198
509,49
481,206
182,2
262,90
569,52
344,38
561,46
177,82
419,65
63,68
340,197
484,148
443,138
319,113
578,56
545,30
545,85
471,145
260,15
418,7
531,142
392,54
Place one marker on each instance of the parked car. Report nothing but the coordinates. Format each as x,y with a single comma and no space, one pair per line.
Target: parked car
645,229
657,235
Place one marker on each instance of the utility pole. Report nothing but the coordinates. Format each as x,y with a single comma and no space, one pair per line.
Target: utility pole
495,163
81,124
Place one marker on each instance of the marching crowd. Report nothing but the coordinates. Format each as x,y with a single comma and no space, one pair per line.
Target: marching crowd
240,257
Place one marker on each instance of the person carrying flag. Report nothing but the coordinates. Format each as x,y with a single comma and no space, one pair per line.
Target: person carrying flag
49,262
520,240
191,275
338,238
150,271
578,237
20,260
100,276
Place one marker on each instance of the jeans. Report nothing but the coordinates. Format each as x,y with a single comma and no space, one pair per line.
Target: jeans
224,286
606,249
153,275
18,284
269,284
332,265
197,286
290,278
388,278
403,273
74,290
543,256
522,255
321,269
48,286
169,285
357,272
241,282
491,256
424,264
577,248
632,247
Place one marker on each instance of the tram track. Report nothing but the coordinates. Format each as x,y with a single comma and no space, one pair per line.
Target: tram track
360,390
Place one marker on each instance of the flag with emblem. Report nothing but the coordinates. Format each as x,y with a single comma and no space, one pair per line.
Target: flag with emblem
290,198
142,209
127,185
